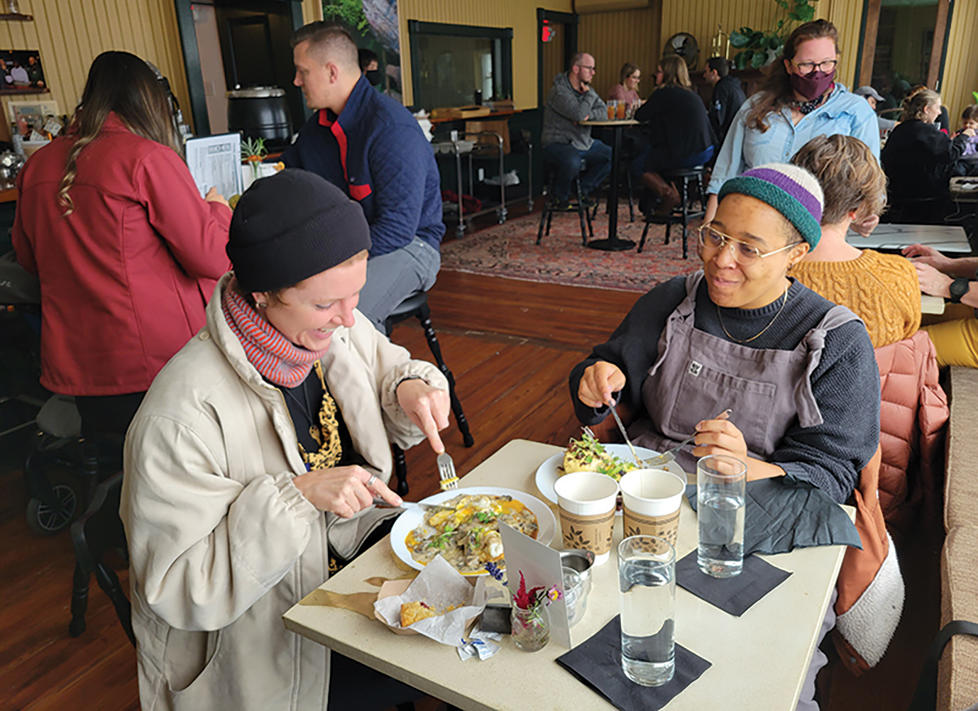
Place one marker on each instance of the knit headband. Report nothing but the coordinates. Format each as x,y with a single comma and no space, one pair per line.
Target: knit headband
789,189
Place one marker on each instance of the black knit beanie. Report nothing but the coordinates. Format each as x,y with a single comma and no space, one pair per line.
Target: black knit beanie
291,226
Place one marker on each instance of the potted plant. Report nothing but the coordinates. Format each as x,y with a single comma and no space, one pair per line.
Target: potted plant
253,152
757,48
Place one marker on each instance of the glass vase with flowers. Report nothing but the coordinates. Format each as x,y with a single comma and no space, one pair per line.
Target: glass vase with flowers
529,618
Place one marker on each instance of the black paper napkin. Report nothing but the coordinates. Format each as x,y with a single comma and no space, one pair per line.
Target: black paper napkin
733,595
597,663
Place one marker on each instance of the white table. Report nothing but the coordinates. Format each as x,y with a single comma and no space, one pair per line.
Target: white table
759,659
886,237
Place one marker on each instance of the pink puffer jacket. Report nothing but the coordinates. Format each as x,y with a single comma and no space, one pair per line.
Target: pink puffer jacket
913,420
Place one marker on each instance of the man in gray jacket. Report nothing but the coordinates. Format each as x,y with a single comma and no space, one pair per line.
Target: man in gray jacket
566,143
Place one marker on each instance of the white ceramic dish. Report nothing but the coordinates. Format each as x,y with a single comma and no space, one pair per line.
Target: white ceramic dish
412,518
550,470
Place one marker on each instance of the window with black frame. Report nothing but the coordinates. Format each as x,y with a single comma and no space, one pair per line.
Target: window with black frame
458,65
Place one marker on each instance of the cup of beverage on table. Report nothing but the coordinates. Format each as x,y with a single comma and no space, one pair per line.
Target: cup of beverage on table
720,498
650,503
647,596
586,503
612,108
621,110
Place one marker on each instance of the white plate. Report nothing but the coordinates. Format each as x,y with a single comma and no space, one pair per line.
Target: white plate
549,472
411,519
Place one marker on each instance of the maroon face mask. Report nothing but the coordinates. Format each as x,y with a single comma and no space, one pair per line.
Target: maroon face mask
812,85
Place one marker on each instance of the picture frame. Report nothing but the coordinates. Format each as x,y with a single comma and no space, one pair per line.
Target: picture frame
28,116
21,72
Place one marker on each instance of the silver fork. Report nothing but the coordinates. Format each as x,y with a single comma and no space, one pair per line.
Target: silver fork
446,470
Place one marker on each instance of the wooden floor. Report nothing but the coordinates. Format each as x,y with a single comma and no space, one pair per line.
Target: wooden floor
511,345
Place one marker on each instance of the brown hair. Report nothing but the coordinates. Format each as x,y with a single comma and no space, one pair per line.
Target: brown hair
849,174
674,71
627,69
970,113
776,92
121,83
916,102
327,39
276,294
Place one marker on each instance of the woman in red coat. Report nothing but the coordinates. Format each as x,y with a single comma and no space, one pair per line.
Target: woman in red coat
126,250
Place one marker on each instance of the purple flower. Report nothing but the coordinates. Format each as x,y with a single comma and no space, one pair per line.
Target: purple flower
494,571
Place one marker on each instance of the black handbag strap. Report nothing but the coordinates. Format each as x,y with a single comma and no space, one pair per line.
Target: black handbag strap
925,697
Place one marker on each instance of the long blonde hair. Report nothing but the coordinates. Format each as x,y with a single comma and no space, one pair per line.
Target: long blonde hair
674,71
120,83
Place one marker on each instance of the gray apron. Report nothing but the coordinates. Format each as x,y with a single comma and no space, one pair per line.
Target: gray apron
697,375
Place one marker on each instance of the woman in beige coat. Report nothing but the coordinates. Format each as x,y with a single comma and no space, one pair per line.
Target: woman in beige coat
281,408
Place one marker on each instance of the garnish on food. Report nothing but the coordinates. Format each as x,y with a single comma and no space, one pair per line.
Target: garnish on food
587,454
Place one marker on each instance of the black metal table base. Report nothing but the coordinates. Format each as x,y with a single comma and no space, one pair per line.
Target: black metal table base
611,245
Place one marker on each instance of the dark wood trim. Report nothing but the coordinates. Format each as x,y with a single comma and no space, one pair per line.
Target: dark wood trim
441,28
570,44
191,63
867,48
16,17
938,53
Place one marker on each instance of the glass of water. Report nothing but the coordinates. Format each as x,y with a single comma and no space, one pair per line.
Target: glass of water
647,591
720,482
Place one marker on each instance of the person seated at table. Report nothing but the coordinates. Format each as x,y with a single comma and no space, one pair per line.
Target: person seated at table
678,131
370,66
798,371
567,145
917,159
627,90
879,288
727,98
955,333
873,98
967,163
282,409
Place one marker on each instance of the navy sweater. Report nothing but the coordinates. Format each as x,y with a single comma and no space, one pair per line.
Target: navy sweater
377,153
846,382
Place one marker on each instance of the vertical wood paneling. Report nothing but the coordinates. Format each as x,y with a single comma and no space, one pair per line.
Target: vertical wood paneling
961,65
700,19
518,14
618,37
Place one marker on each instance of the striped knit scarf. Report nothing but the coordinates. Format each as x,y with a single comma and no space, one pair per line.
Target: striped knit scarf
279,361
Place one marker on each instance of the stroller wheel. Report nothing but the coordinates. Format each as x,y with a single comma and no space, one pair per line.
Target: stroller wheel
46,520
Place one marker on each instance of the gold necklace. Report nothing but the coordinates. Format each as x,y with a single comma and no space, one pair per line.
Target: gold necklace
784,300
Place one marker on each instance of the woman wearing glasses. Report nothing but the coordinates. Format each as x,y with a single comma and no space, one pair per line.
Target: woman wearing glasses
798,371
799,101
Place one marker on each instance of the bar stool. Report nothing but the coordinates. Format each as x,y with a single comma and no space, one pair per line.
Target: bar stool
417,305
547,214
690,184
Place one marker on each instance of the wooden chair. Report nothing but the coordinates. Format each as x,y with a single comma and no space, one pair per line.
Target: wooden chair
690,182
549,207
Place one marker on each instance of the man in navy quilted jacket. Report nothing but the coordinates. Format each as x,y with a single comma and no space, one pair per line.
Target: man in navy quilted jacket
372,147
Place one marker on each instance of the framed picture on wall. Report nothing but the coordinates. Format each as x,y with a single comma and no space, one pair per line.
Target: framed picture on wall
30,116
21,72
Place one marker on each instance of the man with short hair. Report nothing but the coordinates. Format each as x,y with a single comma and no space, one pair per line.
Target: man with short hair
370,146
728,95
565,141
873,98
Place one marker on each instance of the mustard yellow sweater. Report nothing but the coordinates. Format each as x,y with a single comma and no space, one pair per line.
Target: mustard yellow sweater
882,289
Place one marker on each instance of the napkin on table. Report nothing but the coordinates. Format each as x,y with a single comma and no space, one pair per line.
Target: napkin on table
732,595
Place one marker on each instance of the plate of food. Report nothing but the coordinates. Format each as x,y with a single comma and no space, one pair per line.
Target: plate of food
587,454
464,529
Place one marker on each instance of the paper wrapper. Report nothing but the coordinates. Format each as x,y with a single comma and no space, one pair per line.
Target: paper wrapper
665,526
591,533
439,586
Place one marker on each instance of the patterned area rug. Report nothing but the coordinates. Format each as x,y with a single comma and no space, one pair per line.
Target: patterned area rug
510,250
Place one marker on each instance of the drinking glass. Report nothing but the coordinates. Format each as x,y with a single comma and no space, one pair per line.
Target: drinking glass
612,108
720,482
620,106
647,593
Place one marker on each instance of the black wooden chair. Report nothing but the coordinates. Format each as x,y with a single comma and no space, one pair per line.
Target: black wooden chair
98,532
550,206
416,306
690,183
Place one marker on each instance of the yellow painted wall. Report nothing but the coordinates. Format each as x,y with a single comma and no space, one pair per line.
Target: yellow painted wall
961,66
700,18
312,10
69,35
518,14
618,37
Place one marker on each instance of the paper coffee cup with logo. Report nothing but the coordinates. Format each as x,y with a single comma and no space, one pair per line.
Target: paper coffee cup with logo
586,504
650,503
